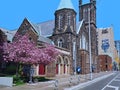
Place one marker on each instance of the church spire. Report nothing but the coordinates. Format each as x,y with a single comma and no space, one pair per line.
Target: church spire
65,4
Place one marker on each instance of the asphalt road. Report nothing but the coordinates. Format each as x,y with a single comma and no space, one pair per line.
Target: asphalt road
110,83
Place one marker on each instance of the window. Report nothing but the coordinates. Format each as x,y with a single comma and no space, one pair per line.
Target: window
104,31
60,21
86,45
74,23
83,42
85,14
30,38
60,43
80,43
23,32
68,19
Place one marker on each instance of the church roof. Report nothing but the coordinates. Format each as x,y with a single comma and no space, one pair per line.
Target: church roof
9,33
46,28
46,40
79,25
65,4
34,26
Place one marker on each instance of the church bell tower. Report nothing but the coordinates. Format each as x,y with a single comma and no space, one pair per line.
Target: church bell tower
65,25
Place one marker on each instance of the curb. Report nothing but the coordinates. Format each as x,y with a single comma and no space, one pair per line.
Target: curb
82,85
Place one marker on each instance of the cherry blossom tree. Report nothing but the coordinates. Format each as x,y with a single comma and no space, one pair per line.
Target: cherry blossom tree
25,51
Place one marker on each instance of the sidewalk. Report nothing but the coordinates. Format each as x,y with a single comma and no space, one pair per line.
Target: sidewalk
62,82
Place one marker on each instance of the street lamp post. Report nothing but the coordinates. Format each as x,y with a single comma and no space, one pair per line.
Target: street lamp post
74,56
90,59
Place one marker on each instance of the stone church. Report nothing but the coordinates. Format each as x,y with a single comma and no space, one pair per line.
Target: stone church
75,36
70,37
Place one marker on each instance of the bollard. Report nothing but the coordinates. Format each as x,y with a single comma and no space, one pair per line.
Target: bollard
56,85
78,79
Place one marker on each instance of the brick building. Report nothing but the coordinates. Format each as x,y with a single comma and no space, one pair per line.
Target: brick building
105,63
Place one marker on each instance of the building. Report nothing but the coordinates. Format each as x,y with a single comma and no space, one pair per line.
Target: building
105,62
117,45
106,42
106,45
87,15
3,38
70,37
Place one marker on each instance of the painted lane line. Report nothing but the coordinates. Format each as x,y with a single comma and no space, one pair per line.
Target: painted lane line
110,81
117,80
116,88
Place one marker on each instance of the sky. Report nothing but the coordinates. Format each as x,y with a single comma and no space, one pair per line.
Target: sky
12,13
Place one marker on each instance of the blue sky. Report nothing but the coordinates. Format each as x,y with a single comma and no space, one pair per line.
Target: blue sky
12,12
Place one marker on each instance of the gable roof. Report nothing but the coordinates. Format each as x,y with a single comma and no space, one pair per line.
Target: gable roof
79,25
33,25
43,29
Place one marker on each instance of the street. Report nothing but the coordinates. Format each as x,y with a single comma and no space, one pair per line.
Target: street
110,83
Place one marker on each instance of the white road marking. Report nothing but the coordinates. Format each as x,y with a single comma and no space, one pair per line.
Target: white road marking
116,88
117,80
110,82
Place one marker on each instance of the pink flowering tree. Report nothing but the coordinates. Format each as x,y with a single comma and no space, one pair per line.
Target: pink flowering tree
24,51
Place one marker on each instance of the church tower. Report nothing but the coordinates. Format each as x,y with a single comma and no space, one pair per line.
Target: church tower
64,34
87,11
84,11
65,25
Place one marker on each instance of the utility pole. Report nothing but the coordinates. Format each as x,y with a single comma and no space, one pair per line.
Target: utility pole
90,44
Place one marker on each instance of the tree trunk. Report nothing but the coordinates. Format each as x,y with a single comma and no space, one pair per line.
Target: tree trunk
31,73
17,69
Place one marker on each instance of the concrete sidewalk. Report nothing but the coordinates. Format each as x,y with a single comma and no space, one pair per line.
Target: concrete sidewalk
60,82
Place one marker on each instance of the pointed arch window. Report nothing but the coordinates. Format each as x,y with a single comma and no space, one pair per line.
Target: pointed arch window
83,43
86,45
80,43
68,19
85,14
60,21
60,43
74,22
